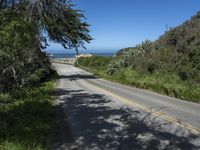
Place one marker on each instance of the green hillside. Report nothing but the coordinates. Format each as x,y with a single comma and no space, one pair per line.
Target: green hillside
177,51
169,65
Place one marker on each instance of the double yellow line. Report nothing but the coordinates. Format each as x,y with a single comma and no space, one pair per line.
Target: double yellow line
187,126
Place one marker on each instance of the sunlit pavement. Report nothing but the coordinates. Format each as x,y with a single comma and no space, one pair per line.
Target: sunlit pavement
93,119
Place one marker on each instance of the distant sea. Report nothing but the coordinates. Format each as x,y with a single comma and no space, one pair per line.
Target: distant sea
72,55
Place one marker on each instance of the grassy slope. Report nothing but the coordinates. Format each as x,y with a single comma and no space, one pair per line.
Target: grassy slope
28,122
168,84
170,65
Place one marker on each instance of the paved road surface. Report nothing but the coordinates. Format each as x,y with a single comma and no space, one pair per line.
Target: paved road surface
101,115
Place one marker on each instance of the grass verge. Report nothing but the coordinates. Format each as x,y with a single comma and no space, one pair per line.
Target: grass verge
167,84
27,119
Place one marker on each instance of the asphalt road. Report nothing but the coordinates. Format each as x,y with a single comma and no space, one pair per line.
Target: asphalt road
99,114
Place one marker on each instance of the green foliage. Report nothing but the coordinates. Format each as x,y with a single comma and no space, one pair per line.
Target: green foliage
170,65
27,122
95,62
58,20
25,28
165,83
40,75
5,98
20,54
26,111
177,51
112,68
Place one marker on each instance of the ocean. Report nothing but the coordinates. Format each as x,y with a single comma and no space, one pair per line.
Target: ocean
72,55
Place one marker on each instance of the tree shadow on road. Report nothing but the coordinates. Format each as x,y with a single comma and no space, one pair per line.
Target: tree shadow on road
77,77
94,122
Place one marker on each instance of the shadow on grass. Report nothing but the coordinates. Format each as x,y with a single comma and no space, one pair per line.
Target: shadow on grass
28,122
91,123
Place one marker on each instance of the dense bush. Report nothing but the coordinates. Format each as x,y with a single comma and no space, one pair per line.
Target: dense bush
25,29
96,62
20,61
177,51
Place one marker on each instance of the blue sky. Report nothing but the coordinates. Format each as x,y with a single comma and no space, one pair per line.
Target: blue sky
117,24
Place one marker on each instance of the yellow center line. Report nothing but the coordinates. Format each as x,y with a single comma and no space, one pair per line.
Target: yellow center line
162,115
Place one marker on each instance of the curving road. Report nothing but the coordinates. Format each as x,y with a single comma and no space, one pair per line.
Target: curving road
99,114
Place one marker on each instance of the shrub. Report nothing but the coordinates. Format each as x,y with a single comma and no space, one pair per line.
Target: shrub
33,79
5,98
151,67
96,62
112,68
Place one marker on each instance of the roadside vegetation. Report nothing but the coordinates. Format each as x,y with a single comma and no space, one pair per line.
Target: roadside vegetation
27,118
25,29
169,65
26,75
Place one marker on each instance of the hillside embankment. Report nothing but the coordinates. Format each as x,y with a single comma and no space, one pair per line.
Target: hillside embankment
170,65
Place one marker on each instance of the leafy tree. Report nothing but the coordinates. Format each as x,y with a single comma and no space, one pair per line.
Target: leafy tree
25,28
56,18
